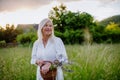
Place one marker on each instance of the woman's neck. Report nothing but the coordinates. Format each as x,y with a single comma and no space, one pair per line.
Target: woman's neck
45,40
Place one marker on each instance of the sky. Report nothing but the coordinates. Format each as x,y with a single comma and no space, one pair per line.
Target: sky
33,11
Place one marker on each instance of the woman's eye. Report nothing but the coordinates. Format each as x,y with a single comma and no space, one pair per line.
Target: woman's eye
45,25
50,25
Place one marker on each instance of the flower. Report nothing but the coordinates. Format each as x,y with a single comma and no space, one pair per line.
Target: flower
57,63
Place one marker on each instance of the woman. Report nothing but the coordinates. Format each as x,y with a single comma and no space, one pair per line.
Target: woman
48,47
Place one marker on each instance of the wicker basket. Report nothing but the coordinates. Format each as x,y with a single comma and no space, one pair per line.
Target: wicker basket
50,75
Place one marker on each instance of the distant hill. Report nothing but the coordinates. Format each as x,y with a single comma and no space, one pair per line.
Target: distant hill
115,19
27,27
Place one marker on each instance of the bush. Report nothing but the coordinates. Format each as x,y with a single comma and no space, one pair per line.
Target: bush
9,33
70,36
2,43
26,38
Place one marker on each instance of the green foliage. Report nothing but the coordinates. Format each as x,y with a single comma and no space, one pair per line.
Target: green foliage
15,64
26,38
112,27
2,43
70,36
1,33
106,34
8,33
113,32
97,33
59,34
70,24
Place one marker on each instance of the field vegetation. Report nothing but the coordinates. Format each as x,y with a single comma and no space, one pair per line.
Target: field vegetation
88,62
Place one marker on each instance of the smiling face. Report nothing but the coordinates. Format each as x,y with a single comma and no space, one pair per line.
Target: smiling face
47,29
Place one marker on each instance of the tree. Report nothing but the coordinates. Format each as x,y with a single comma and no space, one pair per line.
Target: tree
1,33
56,15
113,27
8,34
112,31
68,22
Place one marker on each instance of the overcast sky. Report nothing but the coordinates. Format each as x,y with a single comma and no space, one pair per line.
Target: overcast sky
32,11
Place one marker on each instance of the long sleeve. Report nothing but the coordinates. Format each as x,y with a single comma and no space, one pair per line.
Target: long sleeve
34,51
61,51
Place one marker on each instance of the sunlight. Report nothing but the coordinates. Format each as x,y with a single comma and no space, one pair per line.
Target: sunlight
17,17
22,16
35,15
26,16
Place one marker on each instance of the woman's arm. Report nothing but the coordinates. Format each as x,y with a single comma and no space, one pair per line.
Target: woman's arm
61,51
34,51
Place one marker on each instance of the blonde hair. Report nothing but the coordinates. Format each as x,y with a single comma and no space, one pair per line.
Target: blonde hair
41,25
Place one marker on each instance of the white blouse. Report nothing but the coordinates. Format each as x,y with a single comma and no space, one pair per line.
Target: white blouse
53,50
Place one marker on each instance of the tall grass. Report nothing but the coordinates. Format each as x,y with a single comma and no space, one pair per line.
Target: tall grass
96,62
89,62
15,64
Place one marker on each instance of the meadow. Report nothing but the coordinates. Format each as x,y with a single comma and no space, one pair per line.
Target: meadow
88,62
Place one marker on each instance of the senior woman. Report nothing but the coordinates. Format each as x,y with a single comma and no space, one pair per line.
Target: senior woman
48,47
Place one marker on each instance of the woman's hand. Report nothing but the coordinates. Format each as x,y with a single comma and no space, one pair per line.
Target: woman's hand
45,67
39,62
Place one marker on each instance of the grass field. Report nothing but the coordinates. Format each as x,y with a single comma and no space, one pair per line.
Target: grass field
89,62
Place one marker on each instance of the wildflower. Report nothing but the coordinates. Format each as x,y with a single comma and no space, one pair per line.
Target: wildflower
57,63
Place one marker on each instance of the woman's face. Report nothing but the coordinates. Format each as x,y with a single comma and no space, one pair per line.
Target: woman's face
47,29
